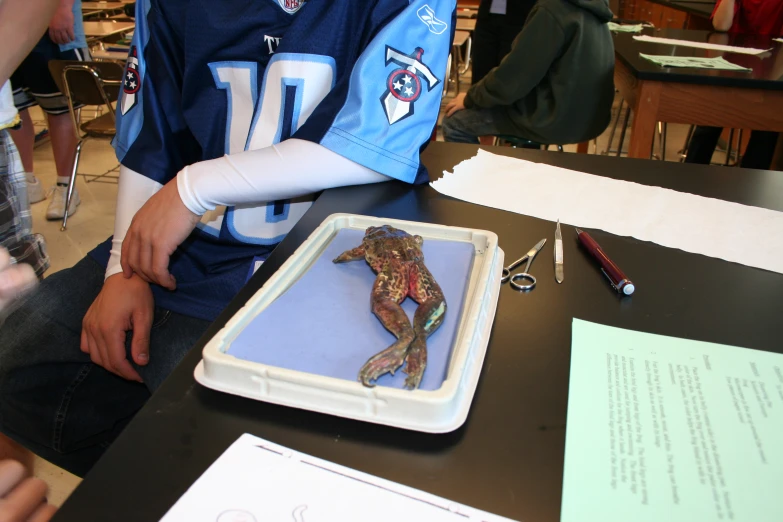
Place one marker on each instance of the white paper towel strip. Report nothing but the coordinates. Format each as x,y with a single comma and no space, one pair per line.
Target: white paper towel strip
700,45
742,234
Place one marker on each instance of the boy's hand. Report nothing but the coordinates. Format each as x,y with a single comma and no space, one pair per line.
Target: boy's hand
156,231
22,498
122,305
61,26
456,104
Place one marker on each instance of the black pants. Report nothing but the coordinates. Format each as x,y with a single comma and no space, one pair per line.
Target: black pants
492,40
758,154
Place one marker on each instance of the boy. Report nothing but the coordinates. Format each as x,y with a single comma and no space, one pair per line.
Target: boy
232,115
556,86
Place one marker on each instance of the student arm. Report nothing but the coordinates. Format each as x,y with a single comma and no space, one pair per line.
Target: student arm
23,22
287,170
723,18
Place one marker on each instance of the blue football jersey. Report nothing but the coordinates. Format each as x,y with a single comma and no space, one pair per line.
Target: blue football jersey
362,78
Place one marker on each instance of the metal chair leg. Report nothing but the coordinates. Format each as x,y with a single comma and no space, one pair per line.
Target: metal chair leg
663,142
739,149
622,132
729,145
448,76
468,50
684,151
71,184
614,128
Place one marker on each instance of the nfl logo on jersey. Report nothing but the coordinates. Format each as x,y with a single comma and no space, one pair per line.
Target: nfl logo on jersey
291,6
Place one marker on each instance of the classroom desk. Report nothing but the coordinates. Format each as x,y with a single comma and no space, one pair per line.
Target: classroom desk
106,29
104,6
466,24
508,456
740,100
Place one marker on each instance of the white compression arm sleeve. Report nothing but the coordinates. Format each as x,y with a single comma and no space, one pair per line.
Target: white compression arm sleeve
290,169
133,191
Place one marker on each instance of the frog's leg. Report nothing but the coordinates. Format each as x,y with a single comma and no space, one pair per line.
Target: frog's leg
389,290
428,317
350,255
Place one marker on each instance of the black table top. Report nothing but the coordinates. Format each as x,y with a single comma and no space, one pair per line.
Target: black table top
767,70
508,456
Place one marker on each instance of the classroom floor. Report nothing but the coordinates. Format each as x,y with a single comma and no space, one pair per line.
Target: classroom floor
94,222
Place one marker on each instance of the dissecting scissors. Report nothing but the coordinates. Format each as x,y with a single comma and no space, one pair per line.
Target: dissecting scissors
524,276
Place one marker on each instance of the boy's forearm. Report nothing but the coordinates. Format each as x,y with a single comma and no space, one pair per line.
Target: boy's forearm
724,15
22,22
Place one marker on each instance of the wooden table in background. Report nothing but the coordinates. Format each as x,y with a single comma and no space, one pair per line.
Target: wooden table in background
103,6
466,24
731,99
106,30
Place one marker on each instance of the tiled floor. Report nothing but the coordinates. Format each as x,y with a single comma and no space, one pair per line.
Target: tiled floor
94,222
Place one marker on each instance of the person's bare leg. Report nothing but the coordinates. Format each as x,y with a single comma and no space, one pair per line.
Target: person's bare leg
63,143
24,139
11,450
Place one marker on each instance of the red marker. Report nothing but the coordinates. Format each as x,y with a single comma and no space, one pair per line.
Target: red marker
619,281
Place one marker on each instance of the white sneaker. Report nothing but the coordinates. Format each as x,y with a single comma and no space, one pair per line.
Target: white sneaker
56,209
35,191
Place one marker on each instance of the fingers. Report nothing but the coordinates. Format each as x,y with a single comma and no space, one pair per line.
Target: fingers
12,473
23,501
159,263
43,514
70,34
112,346
140,345
147,260
106,346
127,271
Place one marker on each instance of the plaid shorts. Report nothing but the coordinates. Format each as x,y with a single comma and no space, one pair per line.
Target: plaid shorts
16,224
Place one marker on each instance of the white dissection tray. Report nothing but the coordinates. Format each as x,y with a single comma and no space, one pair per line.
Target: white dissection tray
441,408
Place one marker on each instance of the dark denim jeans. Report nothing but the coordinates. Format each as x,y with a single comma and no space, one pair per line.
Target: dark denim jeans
467,125
53,399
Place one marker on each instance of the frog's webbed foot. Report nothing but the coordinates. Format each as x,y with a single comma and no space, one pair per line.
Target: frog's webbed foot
388,361
350,255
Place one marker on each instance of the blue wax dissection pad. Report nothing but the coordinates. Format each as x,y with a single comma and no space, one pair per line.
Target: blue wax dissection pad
323,323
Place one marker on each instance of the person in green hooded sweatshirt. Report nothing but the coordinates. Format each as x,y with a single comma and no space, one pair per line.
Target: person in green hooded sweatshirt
556,86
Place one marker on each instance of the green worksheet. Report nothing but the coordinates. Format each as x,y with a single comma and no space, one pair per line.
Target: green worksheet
667,429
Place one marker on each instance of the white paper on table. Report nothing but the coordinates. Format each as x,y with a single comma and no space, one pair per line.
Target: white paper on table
743,234
700,45
256,480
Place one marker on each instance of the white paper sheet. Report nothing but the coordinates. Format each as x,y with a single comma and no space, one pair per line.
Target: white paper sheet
700,45
256,480
742,234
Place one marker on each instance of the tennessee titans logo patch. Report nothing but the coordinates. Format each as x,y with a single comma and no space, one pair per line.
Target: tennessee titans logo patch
291,6
404,84
131,82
